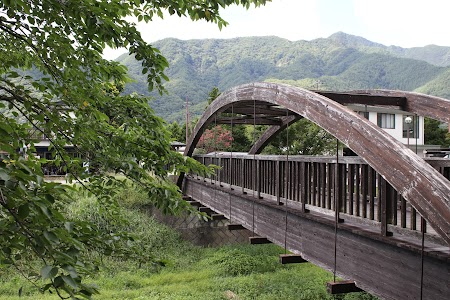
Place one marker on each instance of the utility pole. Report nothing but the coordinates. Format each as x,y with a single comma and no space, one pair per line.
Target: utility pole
318,82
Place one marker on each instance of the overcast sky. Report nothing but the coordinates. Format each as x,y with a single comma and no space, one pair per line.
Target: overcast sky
404,23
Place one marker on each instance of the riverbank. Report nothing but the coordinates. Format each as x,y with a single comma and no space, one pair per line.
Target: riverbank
238,272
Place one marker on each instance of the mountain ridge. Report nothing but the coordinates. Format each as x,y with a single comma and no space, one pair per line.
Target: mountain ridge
339,62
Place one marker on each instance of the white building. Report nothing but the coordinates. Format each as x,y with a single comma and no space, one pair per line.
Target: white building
393,122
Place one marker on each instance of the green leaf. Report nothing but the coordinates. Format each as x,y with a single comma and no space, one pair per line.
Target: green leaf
69,226
51,237
48,272
58,281
71,270
24,211
4,175
70,281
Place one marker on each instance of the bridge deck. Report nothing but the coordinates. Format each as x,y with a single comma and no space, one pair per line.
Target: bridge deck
382,194
389,267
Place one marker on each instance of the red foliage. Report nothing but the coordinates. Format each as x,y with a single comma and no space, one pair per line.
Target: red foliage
216,139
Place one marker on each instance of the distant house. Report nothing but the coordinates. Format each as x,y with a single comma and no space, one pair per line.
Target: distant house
393,122
178,146
42,150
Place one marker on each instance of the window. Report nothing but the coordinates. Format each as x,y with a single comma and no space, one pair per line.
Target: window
386,120
364,114
412,127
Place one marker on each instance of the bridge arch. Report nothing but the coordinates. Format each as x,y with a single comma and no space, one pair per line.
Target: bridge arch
414,103
419,183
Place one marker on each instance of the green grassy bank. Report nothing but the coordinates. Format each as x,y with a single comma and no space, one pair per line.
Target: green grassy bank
231,272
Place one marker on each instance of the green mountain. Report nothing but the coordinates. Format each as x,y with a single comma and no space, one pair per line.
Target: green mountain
340,62
432,54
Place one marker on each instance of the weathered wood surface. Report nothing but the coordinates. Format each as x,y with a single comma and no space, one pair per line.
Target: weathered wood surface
311,181
420,104
418,182
388,267
368,97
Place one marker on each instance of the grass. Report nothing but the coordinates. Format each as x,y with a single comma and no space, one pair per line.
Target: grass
230,272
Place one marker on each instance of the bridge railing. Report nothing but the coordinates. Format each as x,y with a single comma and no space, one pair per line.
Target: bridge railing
315,183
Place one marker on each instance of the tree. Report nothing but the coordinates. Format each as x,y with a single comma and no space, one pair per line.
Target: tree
305,138
239,141
73,97
213,95
216,139
434,134
177,133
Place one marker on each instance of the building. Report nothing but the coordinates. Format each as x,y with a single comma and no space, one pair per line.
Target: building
406,128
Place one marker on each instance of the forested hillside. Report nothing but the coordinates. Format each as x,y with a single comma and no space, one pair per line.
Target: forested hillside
340,62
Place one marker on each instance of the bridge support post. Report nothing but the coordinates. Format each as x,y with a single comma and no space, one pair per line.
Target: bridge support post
291,259
235,227
257,240
342,287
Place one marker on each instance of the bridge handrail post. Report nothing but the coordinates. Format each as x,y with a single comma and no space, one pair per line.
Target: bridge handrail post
278,182
219,176
258,179
230,171
203,162
303,186
243,175
385,202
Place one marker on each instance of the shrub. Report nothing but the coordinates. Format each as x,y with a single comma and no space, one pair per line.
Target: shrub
234,262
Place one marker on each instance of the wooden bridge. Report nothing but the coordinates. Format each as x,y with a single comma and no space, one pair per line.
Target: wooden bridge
380,220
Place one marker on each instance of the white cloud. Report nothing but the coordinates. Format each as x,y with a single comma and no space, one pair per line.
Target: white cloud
284,18
405,23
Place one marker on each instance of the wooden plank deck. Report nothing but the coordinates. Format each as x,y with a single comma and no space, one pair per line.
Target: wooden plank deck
388,267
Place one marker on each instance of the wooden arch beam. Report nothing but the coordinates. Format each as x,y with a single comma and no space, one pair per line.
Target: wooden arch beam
420,184
271,133
415,103
423,105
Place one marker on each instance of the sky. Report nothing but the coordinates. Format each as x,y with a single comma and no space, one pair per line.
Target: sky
404,23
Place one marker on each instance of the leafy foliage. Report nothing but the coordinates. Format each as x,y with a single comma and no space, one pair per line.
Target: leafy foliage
177,133
73,98
435,134
216,139
302,138
190,272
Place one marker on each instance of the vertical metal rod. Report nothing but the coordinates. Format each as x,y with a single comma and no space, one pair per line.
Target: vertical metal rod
287,187
254,156
231,155
215,148
336,209
423,225
230,178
